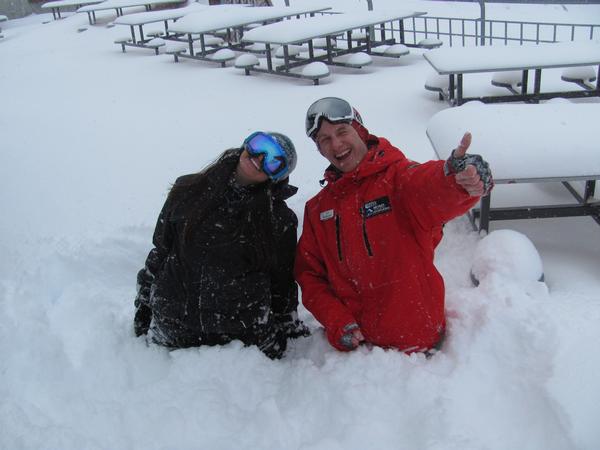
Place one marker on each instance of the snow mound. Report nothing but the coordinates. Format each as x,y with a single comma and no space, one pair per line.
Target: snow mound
507,253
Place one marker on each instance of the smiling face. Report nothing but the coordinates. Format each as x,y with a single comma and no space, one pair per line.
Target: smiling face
341,145
249,170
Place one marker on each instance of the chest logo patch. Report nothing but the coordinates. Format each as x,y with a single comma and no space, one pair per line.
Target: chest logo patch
375,207
326,215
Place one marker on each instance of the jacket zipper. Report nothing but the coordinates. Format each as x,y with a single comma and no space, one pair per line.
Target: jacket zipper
365,235
337,237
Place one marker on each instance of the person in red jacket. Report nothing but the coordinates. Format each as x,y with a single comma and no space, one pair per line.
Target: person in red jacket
364,260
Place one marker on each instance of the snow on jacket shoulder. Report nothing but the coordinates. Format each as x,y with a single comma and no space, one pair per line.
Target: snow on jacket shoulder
367,246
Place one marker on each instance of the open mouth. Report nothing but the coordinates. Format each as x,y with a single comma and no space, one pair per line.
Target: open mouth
255,163
343,155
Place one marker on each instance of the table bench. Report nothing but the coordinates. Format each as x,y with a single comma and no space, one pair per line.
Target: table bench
581,76
321,38
456,62
528,143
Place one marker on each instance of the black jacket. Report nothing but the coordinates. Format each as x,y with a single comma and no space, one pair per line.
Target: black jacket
221,266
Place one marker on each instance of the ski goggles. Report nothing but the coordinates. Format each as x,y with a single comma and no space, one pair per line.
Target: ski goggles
274,163
333,109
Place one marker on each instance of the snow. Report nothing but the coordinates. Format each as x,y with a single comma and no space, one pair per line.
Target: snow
143,18
585,73
507,253
527,56
61,3
233,16
307,28
246,60
91,140
524,141
315,69
112,4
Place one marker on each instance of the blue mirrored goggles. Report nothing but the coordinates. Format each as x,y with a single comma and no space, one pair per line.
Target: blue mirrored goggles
274,163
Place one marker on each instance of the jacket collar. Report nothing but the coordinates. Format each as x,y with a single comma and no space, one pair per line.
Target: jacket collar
380,155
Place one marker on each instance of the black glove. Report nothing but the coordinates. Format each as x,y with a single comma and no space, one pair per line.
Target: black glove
141,320
274,343
291,325
458,164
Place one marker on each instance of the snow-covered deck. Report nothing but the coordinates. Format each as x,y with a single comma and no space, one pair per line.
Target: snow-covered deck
302,30
524,143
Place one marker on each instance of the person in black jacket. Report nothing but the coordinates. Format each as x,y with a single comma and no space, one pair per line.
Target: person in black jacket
222,264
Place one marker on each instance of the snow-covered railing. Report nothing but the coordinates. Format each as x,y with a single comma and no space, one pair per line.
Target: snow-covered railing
467,32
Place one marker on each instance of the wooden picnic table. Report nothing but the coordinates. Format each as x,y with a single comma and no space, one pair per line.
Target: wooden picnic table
119,5
230,19
56,5
457,61
525,143
307,30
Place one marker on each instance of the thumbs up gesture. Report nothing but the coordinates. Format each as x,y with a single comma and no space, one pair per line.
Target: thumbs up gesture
471,172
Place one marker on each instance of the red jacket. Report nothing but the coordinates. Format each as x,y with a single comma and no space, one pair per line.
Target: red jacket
367,246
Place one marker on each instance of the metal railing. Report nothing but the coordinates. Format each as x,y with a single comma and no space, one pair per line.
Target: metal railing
467,32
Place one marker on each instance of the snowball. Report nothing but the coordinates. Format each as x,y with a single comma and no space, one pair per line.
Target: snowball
507,253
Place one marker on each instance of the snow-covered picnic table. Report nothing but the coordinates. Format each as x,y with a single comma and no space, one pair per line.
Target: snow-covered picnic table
119,5
144,18
524,143
229,19
308,30
456,61
56,5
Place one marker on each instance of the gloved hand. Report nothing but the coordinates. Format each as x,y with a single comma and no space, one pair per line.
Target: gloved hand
476,181
352,336
273,343
291,325
141,320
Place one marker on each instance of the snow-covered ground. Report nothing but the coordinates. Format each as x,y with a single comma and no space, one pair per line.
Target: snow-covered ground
91,139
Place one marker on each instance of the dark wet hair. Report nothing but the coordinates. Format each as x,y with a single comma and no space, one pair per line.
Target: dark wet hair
206,190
